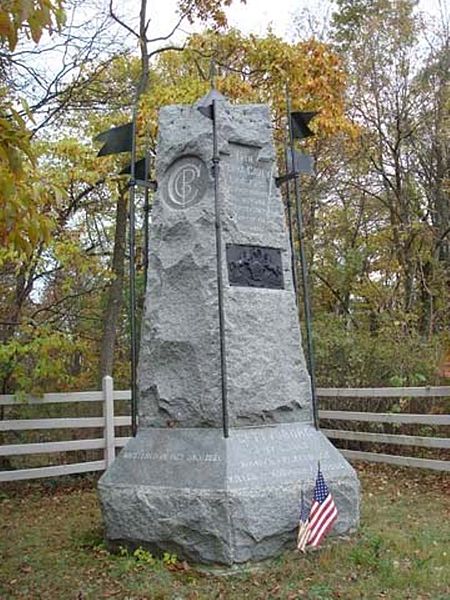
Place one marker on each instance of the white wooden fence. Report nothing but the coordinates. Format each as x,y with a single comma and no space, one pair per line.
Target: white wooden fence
398,418
109,442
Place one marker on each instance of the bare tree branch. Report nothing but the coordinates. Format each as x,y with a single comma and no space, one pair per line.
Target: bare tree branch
120,22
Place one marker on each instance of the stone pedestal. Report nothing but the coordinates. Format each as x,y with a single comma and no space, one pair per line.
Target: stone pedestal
180,485
216,500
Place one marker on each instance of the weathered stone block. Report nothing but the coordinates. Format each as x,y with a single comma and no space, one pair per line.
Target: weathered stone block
216,500
180,485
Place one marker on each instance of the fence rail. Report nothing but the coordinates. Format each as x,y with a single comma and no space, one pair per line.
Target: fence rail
386,392
109,441
348,415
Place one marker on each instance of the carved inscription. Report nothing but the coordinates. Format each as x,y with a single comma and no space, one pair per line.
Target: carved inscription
251,457
302,439
279,451
251,185
172,457
185,182
254,266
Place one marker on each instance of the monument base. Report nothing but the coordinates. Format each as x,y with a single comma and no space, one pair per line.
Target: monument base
214,500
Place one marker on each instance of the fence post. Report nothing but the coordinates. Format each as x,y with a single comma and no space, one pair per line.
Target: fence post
108,413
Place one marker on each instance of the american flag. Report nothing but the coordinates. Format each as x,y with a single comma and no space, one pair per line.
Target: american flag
303,527
323,512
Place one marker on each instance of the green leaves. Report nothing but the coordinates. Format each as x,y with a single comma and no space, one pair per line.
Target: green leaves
39,359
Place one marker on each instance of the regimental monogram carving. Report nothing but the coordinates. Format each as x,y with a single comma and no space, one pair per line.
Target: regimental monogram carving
254,266
185,182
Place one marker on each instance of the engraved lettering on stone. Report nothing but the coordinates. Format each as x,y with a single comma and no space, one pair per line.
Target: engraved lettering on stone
186,182
250,183
172,457
255,437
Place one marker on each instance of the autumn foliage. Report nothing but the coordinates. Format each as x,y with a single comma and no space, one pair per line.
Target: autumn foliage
376,209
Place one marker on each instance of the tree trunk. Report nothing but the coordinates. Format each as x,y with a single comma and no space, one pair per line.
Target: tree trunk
115,293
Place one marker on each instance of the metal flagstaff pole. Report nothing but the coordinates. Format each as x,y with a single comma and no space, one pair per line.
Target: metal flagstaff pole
146,218
289,219
218,223
132,252
304,268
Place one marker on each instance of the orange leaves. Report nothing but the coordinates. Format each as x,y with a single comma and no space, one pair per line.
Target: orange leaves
255,69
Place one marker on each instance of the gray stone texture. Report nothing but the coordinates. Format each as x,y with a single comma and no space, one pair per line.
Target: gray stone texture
179,371
216,500
179,485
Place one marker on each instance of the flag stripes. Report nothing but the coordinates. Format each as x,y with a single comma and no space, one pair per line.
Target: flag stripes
322,518
303,529
302,538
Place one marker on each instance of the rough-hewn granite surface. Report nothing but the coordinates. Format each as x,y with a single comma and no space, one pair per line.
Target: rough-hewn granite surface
216,500
179,368
179,485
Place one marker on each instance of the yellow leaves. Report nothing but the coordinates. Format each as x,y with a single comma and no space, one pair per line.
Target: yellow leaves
7,30
41,358
14,138
255,69
34,16
184,90
205,10
235,88
23,219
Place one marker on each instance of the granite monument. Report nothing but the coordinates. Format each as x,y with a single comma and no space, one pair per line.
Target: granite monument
180,485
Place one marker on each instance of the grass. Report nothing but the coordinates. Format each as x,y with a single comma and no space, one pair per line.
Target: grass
52,548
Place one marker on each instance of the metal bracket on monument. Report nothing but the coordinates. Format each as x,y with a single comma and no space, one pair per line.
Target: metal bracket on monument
283,178
302,163
141,177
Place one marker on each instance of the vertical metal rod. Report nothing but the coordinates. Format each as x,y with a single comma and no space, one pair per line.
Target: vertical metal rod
304,267
146,219
132,252
289,219
223,363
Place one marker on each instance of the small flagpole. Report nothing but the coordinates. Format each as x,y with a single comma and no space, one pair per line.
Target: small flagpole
218,223
304,268
146,218
132,252
289,219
